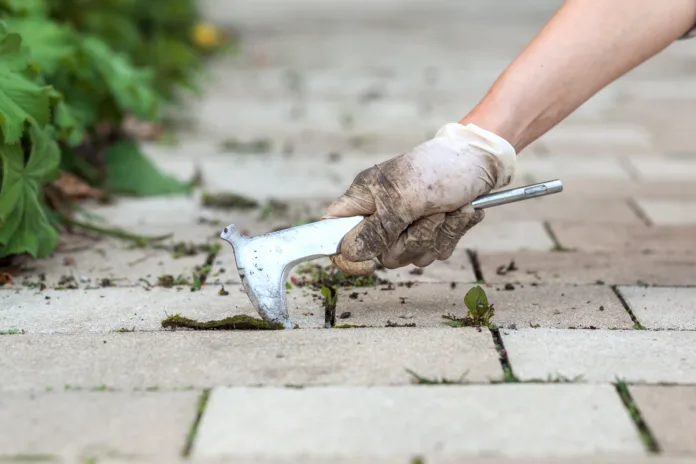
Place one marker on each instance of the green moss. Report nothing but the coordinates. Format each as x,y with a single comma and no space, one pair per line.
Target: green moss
202,402
420,380
349,326
12,332
228,200
645,434
239,322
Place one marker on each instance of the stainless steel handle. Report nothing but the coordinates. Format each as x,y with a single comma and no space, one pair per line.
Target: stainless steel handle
518,194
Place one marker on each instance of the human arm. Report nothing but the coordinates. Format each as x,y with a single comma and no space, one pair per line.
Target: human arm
586,45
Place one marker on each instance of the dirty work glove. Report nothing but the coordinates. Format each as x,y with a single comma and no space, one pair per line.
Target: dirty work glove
429,189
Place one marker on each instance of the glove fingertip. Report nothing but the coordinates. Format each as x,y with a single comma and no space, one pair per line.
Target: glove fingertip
356,268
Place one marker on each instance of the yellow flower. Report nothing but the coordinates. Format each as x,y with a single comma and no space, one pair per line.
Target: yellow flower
206,35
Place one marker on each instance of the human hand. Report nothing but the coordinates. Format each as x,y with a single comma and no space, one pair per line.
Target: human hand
429,190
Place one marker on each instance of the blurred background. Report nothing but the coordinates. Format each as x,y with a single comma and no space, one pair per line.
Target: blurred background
275,102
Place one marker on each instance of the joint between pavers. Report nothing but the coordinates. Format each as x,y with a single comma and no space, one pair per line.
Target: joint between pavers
638,211
508,374
636,323
193,431
476,265
557,246
634,413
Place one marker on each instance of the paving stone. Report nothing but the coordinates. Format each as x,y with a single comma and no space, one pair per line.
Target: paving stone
120,263
589,268
378,356
604,135
664,168
602,355
560,207
508,236
662,307
404,422
669,212
670,413
539,169
620,238
72,425
558,306
112,309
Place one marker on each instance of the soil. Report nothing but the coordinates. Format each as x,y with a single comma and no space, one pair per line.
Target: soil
228,201
316,277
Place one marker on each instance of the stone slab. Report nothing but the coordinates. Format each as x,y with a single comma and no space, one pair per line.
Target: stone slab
562,207
507,236
602,355
380,422
560,306
77,426
377,356
664,168
670,413
112,309
121,263
589,268
542,168
669,212
670,308
618,238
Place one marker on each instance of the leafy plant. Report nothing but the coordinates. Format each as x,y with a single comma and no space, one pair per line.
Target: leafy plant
71,73
476,302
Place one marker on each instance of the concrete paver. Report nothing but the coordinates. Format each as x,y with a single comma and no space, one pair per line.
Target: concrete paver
589,268
557,306
670,413
408,421
664,168
378,356
669,212
586,237
508,236
77,426
602,355
662,307
113,309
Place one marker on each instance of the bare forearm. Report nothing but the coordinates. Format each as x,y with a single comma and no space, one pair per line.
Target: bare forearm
585,46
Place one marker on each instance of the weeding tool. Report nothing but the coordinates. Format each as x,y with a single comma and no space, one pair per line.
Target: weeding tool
265,261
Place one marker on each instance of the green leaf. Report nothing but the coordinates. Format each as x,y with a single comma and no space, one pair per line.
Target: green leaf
131,172
21,100
24,7
475,298
48,42
26,228
130,87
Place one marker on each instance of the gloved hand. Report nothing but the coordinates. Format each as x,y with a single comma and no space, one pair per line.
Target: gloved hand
429,189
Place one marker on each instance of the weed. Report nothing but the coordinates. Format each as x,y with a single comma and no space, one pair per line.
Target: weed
228,200
12,332
646,436
202,402
330,295
419,379
316,276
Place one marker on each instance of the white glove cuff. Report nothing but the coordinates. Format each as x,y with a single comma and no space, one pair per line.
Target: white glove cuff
487,141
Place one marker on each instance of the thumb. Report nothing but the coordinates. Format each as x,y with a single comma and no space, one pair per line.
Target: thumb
371,237
357,201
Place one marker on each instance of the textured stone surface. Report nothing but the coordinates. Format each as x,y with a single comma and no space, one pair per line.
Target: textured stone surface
557,306
204,359
589,268
602,355
663,307
508,236
670,413
563,207
80,425
669,212
427,421
586,237
109,309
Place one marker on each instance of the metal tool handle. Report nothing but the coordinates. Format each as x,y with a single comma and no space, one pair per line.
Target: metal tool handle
518,194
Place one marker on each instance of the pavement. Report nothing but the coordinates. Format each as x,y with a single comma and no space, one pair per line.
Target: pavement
592,358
